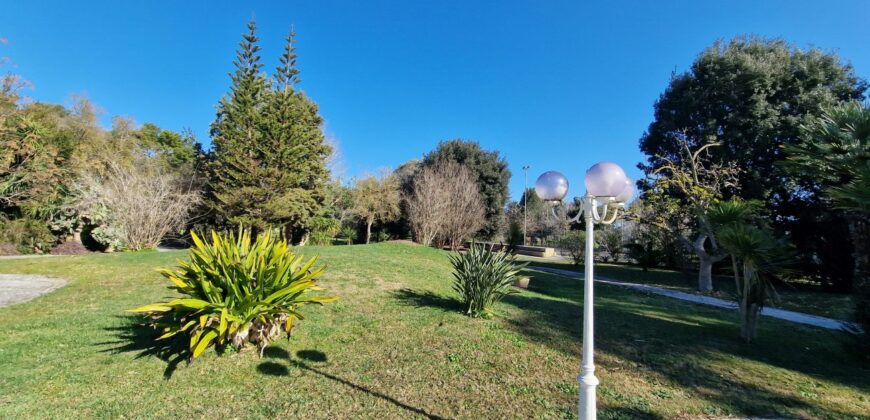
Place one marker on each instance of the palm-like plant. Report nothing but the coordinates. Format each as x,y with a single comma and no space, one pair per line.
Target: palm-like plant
236,291
483,277
836,151
756,257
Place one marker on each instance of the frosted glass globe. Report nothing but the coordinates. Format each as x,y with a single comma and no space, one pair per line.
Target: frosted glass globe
551,186
605,179
626,193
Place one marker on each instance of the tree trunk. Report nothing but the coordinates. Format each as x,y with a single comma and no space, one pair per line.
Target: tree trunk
705,273
705,262
748,322
368,230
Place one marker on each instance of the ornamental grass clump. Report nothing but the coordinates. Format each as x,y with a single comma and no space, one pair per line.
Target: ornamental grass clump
236,291
483,277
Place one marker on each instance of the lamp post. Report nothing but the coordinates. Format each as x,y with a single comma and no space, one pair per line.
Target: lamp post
525,198
607,190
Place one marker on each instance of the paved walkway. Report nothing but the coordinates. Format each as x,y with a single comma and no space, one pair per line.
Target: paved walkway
797,317
17,288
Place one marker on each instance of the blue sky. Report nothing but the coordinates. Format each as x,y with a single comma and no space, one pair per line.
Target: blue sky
556,85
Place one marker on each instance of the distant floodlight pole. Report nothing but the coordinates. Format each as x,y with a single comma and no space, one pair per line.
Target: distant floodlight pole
607,190
525,198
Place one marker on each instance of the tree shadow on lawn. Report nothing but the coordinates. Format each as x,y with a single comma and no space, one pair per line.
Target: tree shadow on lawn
134,336
306,361
428,299
678,340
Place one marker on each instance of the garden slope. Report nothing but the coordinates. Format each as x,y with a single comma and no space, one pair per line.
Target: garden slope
397,345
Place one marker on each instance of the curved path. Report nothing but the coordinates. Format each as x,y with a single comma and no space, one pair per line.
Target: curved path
797,317
17,288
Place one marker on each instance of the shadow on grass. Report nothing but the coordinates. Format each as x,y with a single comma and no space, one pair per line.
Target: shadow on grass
133,336
681,342
428,299
306,361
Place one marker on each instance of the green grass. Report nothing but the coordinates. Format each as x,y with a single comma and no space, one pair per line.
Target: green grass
801,297
396,346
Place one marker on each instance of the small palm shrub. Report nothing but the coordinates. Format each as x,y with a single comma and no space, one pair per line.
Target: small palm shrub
483,277
236,291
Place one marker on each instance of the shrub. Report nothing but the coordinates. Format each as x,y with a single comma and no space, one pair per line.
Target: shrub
382,236
236,292
483,277
574,242
28,235
349,233
323,229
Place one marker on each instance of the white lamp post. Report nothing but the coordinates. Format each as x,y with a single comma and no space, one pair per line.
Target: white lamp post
607,190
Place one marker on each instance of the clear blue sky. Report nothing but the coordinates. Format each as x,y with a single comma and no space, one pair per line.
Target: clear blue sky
556,85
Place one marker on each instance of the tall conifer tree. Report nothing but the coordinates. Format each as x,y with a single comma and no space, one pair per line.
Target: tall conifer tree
269,161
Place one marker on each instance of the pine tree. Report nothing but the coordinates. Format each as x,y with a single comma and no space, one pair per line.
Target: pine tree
269,159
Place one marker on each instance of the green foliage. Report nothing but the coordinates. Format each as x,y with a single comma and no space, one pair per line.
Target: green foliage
29,236
644,252
349,233
236,291
753,95
515,233
382,236
836,152
574,242
490,170
109,236
483,277
376,198
174,149
268,163
757,257
323,230
610,240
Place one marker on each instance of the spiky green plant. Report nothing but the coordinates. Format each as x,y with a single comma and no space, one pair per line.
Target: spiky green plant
236,291
483,277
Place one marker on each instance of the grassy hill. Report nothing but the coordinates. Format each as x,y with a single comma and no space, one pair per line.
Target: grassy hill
397,345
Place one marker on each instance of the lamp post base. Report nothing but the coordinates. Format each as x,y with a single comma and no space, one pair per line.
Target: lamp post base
586,404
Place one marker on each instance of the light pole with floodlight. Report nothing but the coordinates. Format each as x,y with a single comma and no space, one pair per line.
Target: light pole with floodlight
607,191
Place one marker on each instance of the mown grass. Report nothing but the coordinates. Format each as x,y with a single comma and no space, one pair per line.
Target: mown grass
801,297
397,346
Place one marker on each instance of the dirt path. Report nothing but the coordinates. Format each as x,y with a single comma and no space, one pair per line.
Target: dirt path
17,288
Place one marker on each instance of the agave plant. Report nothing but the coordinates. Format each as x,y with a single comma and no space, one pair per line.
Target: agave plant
483,277
236,292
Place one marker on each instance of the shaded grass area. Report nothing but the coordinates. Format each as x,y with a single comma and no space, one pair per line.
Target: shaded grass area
800,297
397,346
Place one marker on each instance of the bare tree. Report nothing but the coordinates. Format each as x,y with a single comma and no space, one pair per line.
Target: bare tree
445,205
376,198
699,183
141,202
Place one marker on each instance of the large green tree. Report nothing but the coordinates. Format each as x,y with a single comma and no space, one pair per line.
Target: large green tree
489,169
268,164
752,95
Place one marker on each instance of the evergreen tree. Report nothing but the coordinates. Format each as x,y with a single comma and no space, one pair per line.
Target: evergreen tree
268,164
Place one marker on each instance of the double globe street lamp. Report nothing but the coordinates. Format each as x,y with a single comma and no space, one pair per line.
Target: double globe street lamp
607,191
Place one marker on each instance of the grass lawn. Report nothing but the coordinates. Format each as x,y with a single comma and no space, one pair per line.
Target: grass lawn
396,346
807,298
